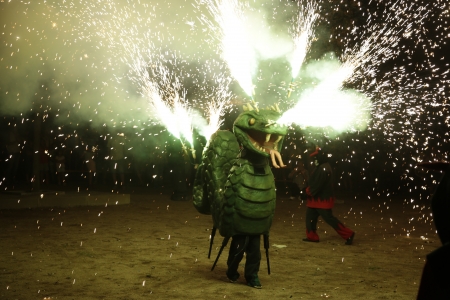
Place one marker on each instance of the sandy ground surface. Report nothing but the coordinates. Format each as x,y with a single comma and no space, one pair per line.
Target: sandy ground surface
156,248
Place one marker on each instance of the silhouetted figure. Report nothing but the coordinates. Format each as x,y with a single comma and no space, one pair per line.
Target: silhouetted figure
320,200
435,283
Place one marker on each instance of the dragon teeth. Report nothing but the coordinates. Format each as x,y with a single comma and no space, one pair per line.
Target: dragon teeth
268,137
278,139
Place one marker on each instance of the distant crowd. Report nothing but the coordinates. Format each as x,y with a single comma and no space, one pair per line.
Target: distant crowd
152,157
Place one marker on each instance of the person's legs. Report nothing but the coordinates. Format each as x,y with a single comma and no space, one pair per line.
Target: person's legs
253,261
311,225
235,256
330,219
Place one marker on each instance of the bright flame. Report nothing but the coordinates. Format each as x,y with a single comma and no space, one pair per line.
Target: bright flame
183,120
236,48
340,110
327,104
303,34
215,111
163,96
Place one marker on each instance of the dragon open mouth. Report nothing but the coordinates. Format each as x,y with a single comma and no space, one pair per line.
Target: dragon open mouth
268,143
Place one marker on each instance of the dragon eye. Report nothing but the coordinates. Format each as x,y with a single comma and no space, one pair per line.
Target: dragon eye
251,121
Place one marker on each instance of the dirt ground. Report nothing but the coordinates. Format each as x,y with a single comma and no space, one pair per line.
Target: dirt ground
156,248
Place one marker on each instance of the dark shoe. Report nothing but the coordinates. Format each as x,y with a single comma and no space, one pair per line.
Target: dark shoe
349,241
254,282
233,278
311,241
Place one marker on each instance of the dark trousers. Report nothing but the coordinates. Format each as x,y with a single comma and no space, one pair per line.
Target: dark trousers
253,256
312,215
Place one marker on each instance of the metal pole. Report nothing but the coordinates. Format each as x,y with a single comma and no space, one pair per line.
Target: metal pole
266,246
224,243
213,233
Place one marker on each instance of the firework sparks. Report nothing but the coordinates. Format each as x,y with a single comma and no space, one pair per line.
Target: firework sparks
215,113
302,35
235,42
328,96
81,57
79,61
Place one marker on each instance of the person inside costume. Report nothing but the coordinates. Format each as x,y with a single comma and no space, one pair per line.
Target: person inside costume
436,275
235,184
320,200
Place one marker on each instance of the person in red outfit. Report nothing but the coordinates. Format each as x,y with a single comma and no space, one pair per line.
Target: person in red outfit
320,200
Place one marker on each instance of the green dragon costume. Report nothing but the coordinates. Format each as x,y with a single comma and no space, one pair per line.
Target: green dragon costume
234,182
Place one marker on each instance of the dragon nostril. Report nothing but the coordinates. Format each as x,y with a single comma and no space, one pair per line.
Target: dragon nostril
251,121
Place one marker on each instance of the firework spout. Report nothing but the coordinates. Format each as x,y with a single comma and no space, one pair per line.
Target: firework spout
303,33
291,86
327,104
341,110
166,100
236,47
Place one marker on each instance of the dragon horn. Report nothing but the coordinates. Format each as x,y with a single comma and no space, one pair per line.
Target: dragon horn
256,105
277,108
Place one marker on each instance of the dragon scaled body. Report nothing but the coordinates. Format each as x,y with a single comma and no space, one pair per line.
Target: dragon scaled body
234,182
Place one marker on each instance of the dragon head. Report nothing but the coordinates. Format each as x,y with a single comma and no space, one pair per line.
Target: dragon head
258,131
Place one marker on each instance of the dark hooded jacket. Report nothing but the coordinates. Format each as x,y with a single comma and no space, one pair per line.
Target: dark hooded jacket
320,191
436,273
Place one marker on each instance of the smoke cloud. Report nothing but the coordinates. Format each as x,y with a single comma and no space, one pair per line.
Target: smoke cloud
72,59
76,59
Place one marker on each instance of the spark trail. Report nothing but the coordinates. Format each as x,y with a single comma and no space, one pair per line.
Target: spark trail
83,52
303,33
358,62
156,72
236,49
